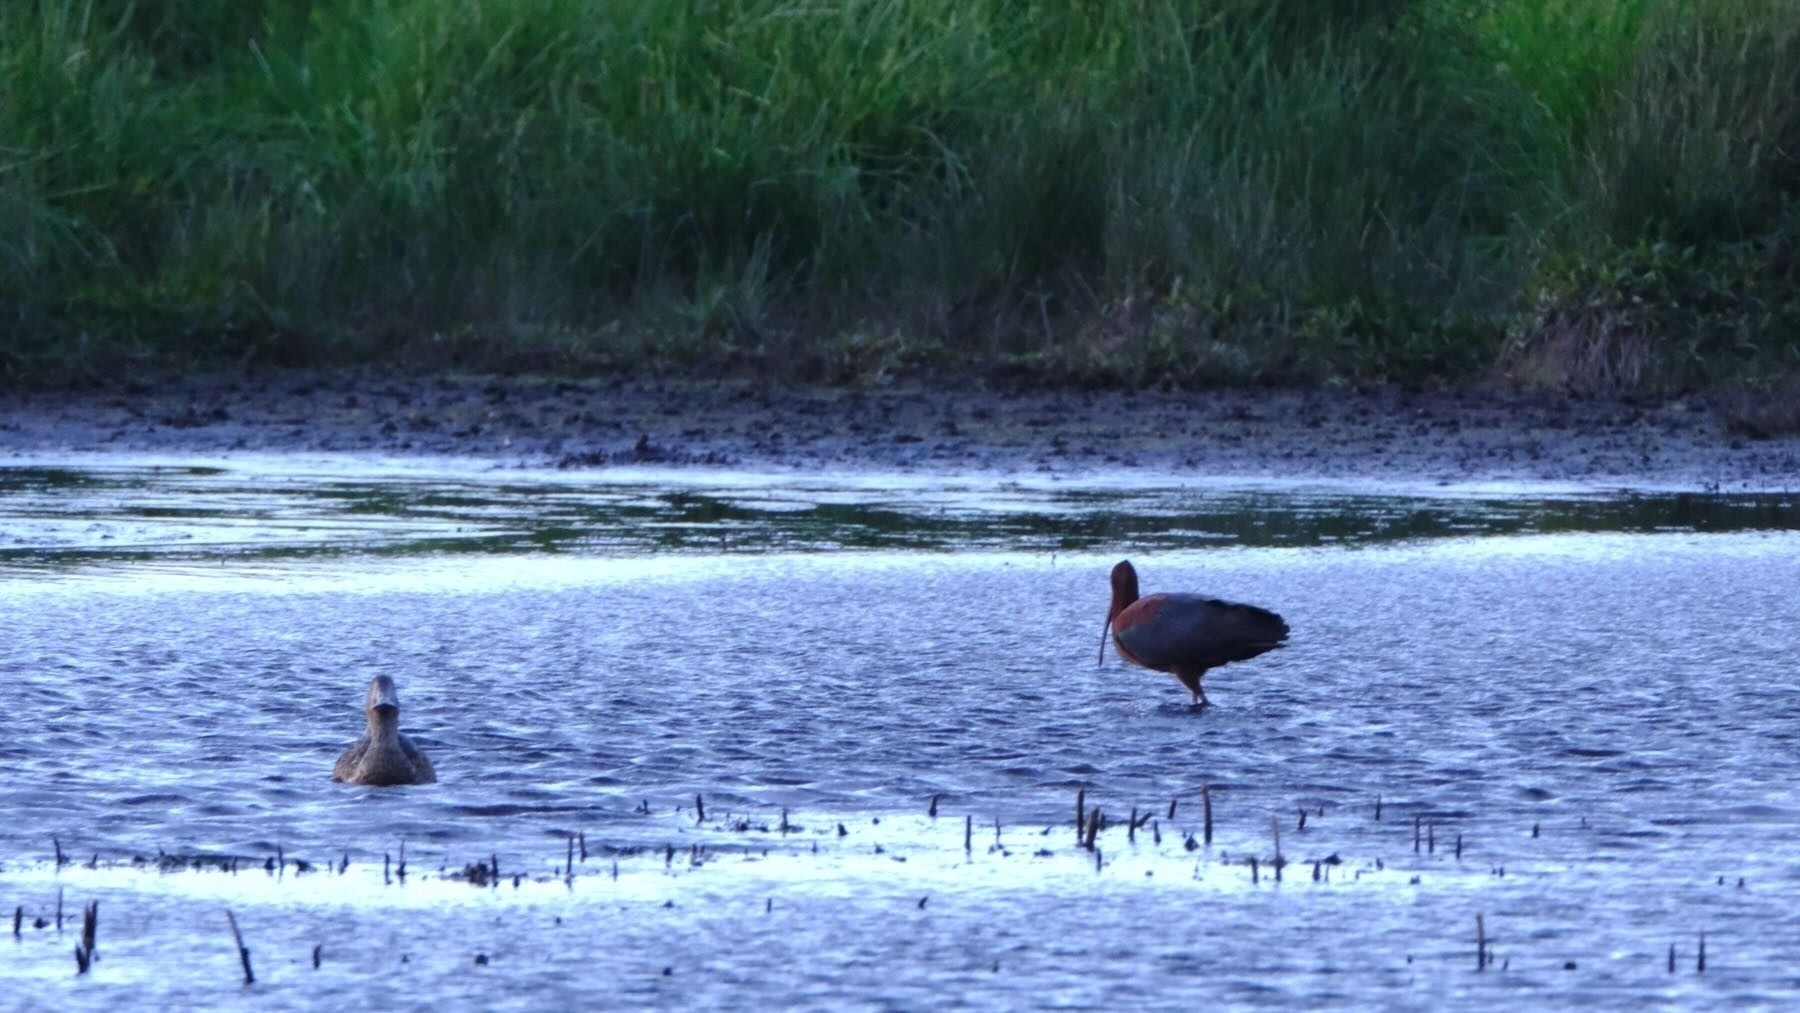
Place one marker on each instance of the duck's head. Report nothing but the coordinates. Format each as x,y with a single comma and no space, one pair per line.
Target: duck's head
383,700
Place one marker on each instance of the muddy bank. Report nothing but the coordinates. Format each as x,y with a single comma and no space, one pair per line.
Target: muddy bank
1387,434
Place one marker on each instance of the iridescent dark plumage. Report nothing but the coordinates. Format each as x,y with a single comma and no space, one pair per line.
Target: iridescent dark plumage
1185,634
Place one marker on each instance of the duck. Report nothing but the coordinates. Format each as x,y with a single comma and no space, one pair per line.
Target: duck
383,756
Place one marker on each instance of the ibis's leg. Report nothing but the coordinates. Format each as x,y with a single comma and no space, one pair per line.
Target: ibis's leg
1192,681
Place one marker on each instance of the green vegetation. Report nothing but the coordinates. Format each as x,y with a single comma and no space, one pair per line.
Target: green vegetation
1111,191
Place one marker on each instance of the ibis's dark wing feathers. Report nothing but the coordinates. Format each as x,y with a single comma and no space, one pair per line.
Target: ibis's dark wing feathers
1188,631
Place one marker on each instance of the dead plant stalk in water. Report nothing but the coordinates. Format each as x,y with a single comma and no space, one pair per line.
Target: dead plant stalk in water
243,951
1206,812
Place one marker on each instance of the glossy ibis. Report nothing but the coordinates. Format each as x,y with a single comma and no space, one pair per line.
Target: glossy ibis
383,756
1185,634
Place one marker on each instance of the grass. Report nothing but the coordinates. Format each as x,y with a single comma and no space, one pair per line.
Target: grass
1135,192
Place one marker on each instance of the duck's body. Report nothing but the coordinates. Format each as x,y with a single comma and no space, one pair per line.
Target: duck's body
1185,634
383,756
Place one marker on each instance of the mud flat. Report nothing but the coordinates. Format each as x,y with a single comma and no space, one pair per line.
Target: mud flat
1382,434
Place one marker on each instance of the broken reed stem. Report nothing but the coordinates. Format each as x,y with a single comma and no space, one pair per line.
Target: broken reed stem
1093,827
1378,808
84,950
699,808
1431,838
1275,828
1700,961
243,951
1171,816
931,810
61,860
582,838
1418,824
59,896
1080,813
968,834
1206,812
1131,826
569,861
1302,825
1671,958
1481,960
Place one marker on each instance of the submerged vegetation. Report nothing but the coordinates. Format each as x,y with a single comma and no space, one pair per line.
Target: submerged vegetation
1605,196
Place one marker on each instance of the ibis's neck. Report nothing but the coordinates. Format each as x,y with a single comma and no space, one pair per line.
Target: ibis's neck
1121,600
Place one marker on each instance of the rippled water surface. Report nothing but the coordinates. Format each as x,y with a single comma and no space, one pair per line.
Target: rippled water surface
1569,712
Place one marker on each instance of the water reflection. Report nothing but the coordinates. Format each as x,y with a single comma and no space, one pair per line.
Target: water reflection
56,518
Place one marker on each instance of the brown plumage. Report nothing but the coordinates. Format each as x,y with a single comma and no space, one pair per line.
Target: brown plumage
1185,634
383,756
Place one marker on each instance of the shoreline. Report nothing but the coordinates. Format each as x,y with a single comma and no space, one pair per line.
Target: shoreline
1465,435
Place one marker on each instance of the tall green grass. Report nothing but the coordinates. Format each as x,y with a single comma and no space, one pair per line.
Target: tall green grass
1127,191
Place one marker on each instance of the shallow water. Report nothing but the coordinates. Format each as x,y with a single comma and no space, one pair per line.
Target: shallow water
1591,690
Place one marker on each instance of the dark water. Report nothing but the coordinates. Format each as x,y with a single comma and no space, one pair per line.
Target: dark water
185,652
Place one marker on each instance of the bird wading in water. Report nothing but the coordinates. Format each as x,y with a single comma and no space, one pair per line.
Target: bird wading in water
1185,634
383,756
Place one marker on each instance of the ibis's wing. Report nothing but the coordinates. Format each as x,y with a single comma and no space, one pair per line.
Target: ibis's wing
1188,631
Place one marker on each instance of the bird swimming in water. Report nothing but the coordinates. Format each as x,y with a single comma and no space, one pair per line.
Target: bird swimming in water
383,756
1185,634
